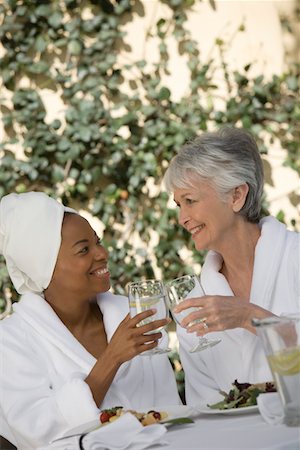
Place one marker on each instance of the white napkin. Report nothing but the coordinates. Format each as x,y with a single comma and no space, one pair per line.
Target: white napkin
124,433
270,407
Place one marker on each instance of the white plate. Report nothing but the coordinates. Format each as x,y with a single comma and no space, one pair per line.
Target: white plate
204,409
176,411
173,411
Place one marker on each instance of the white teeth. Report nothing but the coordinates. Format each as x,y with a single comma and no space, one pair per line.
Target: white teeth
100,272
194,230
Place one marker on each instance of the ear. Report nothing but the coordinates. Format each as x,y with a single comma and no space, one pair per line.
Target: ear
239,197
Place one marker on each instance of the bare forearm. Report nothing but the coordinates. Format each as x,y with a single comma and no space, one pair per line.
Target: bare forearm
101,377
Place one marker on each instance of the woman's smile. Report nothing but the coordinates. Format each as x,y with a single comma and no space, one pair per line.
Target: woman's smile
196,230
101,272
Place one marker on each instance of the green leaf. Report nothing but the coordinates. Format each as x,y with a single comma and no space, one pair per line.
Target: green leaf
82,188
85,134
40,44
63,144
178,421
58,174
43,10
55,19
292,83
56,124
164,93
38,67
75,47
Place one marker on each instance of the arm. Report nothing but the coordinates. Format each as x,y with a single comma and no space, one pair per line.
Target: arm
127,342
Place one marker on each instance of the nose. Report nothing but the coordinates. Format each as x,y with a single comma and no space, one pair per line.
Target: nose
100,253
183,218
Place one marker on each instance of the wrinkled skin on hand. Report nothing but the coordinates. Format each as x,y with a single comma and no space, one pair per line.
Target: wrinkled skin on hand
220,313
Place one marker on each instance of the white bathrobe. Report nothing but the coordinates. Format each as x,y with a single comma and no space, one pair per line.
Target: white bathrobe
275,287
43,367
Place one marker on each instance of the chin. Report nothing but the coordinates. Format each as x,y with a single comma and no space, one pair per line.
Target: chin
106,287
199,246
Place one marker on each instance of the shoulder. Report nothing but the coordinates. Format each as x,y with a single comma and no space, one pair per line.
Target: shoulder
114,309
278,232
270,224
109,302
12,330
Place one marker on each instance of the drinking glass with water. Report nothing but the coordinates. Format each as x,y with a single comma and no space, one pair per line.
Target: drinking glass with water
149,294
281,340
179,290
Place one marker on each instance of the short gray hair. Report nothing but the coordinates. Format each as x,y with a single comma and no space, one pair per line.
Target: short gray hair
227,158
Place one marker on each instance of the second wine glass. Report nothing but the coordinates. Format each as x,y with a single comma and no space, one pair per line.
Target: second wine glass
149,294
178,290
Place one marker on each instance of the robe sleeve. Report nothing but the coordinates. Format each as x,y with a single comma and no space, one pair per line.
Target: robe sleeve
34,411
199,385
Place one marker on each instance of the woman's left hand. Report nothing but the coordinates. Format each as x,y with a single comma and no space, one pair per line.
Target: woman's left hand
219,313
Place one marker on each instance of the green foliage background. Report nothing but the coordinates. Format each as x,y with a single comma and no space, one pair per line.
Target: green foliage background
121,126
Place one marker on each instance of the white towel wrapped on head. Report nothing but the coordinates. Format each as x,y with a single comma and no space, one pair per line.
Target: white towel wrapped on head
30,238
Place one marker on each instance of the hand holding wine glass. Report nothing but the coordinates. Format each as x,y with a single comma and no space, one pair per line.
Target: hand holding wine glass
145,295
180,289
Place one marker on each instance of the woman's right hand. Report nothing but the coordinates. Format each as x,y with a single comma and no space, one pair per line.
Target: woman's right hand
130,339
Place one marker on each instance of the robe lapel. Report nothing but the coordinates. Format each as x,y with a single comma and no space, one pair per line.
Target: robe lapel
213,282
268,254
221,358
38,313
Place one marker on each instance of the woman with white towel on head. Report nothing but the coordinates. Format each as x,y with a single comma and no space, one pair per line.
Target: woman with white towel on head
70,347
251,270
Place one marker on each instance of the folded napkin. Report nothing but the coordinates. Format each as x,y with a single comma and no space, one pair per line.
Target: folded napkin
270,407
124,433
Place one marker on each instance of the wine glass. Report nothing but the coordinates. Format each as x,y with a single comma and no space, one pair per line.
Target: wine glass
149,294
180,289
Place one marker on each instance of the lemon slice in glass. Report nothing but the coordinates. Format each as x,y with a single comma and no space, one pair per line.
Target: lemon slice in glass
286,362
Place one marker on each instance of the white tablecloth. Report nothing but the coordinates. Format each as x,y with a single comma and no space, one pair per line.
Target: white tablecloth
224,431
220,432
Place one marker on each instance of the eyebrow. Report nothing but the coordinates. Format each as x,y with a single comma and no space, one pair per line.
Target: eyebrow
84,240
80,242
181,197
185,195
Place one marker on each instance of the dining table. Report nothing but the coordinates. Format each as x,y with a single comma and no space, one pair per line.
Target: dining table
241,430
221,431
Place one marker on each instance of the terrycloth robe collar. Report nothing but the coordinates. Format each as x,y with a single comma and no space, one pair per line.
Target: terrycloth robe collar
41,317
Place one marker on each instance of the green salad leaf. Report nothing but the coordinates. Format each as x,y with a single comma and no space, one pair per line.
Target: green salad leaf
242,395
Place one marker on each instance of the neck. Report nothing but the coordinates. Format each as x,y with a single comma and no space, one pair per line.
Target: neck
238,260
238,253
72,313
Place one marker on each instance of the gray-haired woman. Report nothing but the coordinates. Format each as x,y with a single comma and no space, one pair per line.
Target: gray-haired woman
252,267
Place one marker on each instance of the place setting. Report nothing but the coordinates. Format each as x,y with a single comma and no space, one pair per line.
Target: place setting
119,429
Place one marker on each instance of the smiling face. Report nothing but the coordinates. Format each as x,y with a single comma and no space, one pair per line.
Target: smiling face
210,219
81,266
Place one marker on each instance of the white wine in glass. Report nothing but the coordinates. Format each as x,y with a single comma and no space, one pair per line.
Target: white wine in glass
180,289
149,294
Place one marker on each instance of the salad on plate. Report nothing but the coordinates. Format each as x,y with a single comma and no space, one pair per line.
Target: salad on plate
242,395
